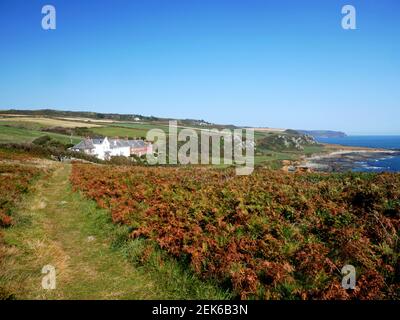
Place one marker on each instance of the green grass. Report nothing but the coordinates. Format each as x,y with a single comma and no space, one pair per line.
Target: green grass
113,131
310,150
54,225
273,156
130,130
140,126
23,125
20,135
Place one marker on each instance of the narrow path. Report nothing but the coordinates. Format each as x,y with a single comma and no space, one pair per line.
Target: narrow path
57,227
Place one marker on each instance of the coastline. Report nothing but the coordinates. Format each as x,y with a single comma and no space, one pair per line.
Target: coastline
340,158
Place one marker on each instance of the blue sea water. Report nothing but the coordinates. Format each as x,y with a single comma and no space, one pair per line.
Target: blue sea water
390,163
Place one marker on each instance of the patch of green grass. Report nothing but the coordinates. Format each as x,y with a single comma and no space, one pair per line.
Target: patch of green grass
23,125
175,279
310,150
273,156
140,126
113,131
21,135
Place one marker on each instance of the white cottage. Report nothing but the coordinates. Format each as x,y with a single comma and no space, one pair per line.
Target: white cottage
105,148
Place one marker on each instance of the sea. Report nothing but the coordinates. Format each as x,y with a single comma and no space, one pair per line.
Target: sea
387,163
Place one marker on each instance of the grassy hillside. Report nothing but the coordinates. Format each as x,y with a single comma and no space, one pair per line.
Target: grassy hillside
43,122
271,148
101,116
122,132
21,135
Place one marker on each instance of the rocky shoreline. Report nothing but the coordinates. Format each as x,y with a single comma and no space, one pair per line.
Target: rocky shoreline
344,160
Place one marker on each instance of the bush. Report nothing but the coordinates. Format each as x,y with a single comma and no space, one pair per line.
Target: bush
49,151
269,235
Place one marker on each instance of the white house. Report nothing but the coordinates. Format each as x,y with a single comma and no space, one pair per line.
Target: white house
105,148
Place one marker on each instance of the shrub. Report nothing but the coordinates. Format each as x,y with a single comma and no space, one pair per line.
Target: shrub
269,235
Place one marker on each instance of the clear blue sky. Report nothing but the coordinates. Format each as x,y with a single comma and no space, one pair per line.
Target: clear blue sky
275,63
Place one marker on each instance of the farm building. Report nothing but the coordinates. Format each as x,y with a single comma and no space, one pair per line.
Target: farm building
105,148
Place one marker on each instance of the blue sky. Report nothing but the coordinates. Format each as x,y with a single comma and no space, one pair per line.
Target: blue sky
275,63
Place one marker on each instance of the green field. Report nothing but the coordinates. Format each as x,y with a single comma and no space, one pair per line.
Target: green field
140,126
121,132
23,125
310,150
131,130
273,156
20,135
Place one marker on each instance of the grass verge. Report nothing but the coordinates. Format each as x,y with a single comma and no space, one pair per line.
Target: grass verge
94,259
